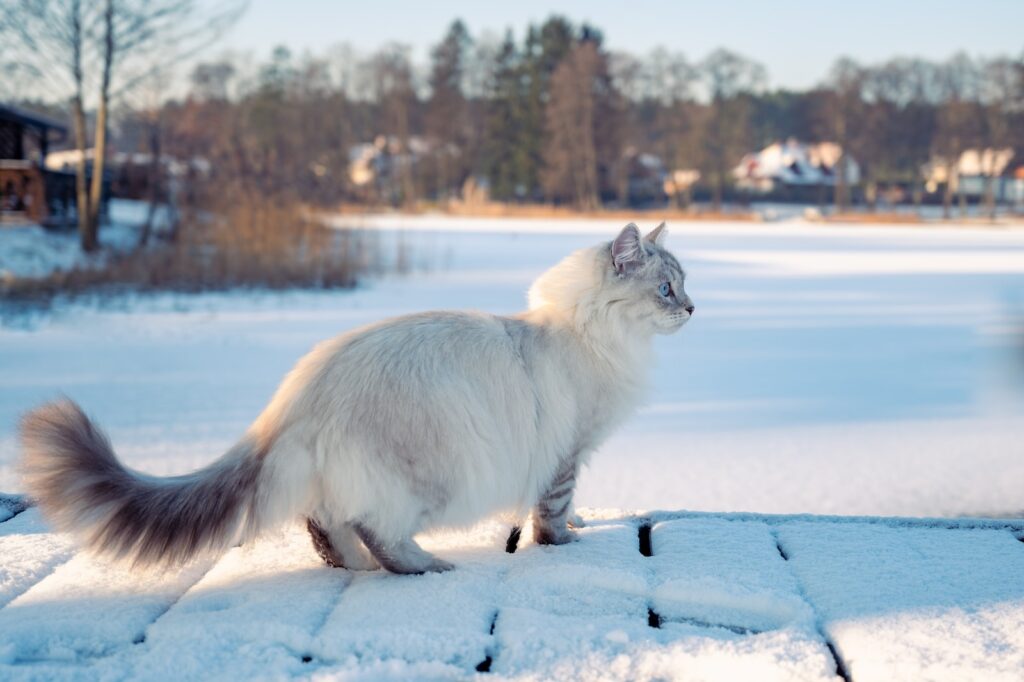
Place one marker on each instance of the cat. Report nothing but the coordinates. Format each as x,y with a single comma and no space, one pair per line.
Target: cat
427,420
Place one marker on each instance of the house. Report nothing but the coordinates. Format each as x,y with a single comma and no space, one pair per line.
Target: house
645,178
379,166
794,164
29,192
971,173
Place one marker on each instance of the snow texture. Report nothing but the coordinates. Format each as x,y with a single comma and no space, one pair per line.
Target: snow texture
720,598
919,603
32,251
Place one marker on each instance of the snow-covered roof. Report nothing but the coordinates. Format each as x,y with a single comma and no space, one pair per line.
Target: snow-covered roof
972,163
796,163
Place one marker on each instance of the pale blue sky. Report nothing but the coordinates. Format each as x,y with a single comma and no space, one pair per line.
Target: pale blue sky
796,40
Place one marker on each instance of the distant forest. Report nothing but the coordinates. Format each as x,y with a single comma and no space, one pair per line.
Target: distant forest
552,115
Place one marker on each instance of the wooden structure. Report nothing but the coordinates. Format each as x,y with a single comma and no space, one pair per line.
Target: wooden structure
28,191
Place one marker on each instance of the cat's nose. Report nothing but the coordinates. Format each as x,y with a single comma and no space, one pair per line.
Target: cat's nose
689,309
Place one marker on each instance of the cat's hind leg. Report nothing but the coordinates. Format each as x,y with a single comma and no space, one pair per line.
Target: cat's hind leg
551,516
404,556
340,547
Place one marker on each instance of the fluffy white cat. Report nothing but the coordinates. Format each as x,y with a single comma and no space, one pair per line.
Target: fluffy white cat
431,419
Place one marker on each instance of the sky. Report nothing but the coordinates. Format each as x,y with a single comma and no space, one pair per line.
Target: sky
795,40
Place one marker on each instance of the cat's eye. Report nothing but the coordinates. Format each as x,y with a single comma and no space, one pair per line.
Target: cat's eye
665,289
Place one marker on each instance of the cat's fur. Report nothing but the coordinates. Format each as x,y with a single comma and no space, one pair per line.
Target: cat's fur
432,419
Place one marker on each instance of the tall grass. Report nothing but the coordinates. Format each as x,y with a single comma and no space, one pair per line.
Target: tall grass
241,241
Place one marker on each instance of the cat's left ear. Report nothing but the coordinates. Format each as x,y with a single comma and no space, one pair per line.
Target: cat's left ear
627,251
657,235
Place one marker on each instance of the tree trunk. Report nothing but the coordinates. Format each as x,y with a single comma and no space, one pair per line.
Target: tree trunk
99,156
961,198
990,196
87,237
871,194
100,145
947,193
840,194
716,193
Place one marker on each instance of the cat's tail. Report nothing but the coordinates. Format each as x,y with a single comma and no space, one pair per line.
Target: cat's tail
71,471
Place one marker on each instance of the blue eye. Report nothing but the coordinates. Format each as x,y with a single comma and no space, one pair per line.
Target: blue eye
665,289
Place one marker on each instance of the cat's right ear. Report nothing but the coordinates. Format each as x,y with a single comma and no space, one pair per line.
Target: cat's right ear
627,251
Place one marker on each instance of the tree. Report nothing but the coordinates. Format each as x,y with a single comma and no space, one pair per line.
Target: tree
730,79
570,156
104,47
670,80
394,93
544,49
958,122
582,151
1000,94
843,121
505,157
903,94
447,107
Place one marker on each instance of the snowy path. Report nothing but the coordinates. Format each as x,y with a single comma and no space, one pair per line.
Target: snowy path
654,596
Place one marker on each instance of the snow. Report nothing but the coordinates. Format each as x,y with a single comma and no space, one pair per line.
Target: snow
32,251
738,597
922,604
30,552
264,603
865,391
868,371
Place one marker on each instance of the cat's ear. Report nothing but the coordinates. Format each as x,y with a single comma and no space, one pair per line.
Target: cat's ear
657,235
627,251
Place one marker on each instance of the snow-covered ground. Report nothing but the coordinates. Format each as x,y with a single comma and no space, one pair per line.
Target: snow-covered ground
851,371
854,370
31,251
715,599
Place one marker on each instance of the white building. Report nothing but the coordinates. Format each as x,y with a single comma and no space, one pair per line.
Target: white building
971,173
794,164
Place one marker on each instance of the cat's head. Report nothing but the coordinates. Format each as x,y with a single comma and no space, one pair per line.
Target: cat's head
632,282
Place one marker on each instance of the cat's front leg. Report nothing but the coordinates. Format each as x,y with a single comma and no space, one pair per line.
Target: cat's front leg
551,515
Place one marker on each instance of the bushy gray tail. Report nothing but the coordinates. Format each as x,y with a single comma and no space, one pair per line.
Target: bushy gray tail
71,471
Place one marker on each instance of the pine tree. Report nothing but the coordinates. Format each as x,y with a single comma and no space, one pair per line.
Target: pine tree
446,109
505,159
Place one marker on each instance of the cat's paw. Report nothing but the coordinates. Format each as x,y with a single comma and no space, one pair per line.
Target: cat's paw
576,521
439,566
552,536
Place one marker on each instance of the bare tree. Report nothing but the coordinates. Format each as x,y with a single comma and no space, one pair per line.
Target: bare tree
843,118
670,81
730,79
103,47
582,127
958,122
1000,94
390,79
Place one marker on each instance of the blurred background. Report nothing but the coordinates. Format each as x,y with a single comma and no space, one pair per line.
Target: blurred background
193,193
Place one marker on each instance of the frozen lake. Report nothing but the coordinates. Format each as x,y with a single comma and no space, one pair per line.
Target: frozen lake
831,370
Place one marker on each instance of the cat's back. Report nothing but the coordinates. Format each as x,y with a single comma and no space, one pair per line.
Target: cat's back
422,352
437,375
